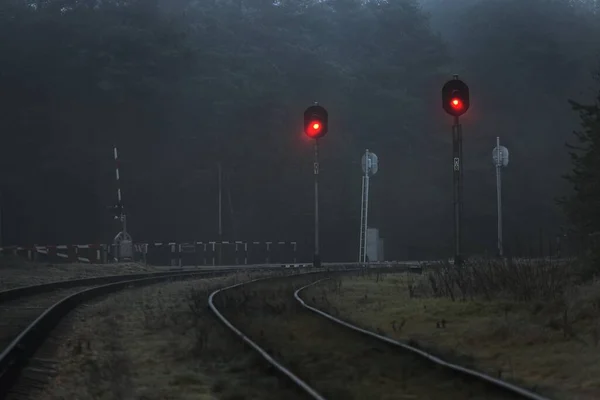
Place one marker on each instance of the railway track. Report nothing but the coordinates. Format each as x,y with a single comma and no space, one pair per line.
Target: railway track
21,306
29,314
328,358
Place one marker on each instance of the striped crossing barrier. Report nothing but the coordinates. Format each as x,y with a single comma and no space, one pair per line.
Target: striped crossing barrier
82,253
166,253
232,253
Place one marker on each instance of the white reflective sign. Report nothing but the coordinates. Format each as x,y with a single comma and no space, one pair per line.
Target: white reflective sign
373,164
503,156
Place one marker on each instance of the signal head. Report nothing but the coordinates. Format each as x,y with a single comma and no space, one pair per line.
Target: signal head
315,122
456,102
314,128
455,97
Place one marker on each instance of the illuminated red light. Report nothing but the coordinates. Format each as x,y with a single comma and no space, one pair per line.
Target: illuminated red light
314,128
457,104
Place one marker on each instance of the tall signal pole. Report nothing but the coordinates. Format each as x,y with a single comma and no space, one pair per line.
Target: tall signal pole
457,179
455,101
316,126
317,256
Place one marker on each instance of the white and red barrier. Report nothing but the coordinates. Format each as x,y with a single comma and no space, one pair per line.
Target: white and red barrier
220,253
165,253
83,253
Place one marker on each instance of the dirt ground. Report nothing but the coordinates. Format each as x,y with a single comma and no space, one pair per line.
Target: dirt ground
159,342
15,272
549,345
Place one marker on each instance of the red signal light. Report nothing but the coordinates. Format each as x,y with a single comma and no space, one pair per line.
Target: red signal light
315,122
314,128
455,97
456,104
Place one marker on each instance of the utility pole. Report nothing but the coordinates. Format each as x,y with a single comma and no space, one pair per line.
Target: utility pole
220,216
231,213
1,225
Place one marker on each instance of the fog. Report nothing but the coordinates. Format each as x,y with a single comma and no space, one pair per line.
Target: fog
180,86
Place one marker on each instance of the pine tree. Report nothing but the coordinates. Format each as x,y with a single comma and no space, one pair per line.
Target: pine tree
583,205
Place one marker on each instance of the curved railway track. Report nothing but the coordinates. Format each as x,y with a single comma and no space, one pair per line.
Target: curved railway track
28,315
328,358
21,306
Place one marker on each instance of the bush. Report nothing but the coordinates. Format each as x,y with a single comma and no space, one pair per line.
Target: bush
522,280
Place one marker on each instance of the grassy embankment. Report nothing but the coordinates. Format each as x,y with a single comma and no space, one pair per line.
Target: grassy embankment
536,324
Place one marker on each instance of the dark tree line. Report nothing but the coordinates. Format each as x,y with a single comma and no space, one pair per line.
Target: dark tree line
582,206
181,85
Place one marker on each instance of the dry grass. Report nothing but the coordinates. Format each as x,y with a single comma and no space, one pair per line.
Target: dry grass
337,362
515,328
159,342
15,272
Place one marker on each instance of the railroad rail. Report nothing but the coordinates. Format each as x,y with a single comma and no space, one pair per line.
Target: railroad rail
29,313
526,394
497,385
263,353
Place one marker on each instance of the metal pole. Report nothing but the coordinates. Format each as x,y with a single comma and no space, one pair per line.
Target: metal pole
231,213
499,196
1,226
457,180
220,218
367,170
541,243
317,257
295,249
361,249
119,199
